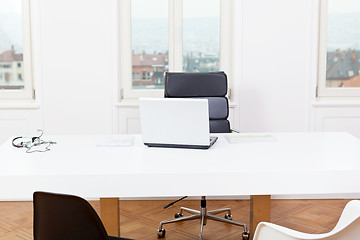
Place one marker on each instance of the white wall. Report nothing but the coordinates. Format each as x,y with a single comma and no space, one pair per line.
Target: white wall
76,72
275,71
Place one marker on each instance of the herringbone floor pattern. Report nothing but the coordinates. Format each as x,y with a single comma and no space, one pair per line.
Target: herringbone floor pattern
140,219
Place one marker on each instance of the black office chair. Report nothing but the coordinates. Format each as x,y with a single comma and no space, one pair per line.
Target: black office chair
212,86
60,217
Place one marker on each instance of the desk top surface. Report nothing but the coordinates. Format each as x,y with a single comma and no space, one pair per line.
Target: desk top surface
291,163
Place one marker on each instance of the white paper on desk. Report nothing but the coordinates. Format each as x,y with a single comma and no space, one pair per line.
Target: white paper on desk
235,138
116,141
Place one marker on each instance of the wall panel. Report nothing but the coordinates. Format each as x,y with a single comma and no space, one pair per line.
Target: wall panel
19,123
338,119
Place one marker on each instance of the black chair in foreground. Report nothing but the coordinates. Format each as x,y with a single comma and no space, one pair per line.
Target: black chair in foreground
66,217
211,86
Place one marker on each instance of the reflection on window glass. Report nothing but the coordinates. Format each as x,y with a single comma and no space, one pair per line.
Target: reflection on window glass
11,45
343,44
149,38
201,35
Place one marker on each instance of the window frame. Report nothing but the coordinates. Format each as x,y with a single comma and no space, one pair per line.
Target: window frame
175,45
322,90
28,91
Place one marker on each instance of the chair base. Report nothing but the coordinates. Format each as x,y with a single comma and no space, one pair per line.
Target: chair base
203,215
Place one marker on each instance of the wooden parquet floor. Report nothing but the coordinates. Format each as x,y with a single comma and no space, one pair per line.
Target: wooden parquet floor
140,219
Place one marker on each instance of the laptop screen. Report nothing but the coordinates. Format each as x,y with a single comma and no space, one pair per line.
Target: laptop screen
182,121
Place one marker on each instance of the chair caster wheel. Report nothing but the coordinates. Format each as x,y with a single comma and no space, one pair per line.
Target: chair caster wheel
161,233
228,216
177,215
245,236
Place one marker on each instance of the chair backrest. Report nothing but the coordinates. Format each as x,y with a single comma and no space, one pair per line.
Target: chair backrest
59,217
211,86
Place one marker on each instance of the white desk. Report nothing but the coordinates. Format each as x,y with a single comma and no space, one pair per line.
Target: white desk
296,163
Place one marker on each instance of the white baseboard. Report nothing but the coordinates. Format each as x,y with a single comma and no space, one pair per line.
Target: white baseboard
319,196
300,196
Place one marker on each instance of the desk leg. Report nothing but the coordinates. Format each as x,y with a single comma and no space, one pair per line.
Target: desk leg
259,211
110,216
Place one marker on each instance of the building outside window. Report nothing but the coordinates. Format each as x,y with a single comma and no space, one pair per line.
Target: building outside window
150,66
339,61
9,70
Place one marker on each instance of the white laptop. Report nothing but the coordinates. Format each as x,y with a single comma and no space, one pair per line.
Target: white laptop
175,122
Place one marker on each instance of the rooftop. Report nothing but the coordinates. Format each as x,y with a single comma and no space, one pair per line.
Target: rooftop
11,56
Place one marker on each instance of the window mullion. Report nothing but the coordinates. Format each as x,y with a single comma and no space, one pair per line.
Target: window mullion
175,35
27,52
226,40
125,46
322,49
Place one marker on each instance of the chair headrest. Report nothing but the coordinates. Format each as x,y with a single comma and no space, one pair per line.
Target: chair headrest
213,84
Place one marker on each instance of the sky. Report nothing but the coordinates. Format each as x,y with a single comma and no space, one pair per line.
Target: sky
10,25
343,6
159,8
10,6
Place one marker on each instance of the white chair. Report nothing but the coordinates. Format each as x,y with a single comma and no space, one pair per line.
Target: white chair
347,228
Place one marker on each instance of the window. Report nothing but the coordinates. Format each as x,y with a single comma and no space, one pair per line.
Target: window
339,49
144,76
172,35
201,36
149,41
15,54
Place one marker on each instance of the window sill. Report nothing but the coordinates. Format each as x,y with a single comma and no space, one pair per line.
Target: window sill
19,104
128,103
333,102
135,104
